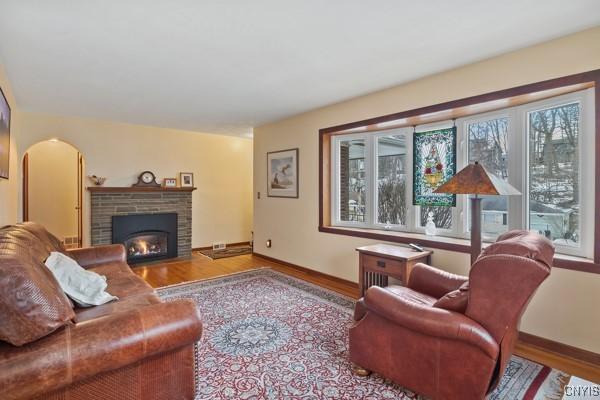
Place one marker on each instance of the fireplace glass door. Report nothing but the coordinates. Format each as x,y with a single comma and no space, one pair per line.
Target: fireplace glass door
146,245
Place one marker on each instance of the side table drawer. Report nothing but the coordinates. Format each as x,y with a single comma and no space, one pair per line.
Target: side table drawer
388,266
379,262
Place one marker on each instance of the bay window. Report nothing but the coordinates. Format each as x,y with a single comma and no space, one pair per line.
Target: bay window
544,149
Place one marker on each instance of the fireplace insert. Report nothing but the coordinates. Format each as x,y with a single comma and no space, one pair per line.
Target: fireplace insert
146,237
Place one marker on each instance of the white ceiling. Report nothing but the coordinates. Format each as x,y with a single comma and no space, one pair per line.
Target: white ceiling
225,66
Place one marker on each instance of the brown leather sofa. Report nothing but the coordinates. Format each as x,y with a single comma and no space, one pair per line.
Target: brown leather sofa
137,347
447,336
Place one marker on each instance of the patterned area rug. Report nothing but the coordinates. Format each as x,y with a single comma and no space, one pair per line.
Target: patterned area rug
271,336
227,252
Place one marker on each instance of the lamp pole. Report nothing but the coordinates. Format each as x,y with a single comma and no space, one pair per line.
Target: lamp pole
475,180
475,227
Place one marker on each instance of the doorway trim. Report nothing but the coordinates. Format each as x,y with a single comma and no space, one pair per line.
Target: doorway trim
26,187
80,176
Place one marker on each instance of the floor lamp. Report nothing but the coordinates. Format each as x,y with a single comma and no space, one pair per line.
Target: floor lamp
476,180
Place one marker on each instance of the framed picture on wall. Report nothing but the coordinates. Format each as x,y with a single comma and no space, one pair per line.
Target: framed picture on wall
282,173
186,179
4,136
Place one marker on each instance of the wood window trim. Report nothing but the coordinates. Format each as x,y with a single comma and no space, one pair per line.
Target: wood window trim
455,108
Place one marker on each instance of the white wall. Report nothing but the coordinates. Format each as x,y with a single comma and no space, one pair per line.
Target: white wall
53,187
565,307
222,167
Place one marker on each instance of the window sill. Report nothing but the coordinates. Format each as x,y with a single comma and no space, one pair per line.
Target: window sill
450,244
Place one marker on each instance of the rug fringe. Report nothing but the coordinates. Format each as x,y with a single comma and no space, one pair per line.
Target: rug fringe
554,387
303,281
212,278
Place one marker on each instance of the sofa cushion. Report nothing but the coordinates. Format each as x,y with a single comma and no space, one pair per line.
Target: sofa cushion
123,305
35,248
133,292
32,305
51,242
111,269
455,300
121,281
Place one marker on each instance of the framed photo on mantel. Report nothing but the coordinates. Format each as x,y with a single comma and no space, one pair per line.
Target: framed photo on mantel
282,173
186,179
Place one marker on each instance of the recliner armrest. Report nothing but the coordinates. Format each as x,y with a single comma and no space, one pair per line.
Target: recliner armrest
433,281
90,256
100,345
429,320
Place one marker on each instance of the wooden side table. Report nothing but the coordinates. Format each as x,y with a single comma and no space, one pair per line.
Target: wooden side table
378,262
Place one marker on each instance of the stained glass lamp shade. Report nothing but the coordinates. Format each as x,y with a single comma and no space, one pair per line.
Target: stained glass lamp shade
475,179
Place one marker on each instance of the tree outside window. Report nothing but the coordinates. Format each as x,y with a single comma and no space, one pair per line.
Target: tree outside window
554,173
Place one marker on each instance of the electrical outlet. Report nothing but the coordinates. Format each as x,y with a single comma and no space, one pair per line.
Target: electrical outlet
268,243
219,246
258,195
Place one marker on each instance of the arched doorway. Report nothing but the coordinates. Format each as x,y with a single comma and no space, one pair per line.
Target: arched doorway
53,189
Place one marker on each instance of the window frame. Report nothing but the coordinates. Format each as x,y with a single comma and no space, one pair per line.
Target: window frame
335,179
586,159
512,143
518,171
457,107
409,179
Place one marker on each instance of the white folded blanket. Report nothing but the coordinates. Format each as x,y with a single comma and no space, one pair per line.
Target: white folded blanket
86,288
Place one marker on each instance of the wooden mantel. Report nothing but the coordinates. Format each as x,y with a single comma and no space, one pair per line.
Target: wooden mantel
129,189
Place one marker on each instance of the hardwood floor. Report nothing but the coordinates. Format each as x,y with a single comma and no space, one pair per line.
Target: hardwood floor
199,267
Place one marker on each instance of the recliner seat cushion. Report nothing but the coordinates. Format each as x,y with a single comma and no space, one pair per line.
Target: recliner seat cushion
410,295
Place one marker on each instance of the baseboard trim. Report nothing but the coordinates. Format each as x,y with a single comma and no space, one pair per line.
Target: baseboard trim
309,271
560,348
226,245
547,345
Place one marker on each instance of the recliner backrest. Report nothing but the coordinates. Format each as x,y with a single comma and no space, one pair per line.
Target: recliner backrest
504,278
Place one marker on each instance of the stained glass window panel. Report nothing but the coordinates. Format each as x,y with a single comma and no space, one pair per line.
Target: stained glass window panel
391,179
434,163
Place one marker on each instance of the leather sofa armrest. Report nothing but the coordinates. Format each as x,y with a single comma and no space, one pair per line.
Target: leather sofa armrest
90,256
433,281
100,345
429,320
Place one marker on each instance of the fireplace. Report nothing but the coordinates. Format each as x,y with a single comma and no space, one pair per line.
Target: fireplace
146,237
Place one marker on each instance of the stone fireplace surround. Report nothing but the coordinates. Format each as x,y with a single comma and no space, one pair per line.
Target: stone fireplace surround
109,201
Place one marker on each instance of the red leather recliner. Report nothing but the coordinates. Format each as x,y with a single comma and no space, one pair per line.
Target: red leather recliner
447,336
